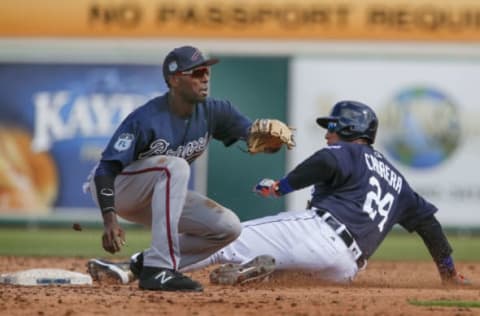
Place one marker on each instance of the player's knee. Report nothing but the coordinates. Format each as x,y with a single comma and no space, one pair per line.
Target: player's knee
177,167
230,227
235,231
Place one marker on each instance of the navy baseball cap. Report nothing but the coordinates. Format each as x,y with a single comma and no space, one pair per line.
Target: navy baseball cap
185,58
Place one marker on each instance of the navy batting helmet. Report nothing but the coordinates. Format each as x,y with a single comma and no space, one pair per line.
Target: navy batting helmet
351,120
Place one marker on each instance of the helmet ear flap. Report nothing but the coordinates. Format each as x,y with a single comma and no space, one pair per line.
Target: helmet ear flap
347,132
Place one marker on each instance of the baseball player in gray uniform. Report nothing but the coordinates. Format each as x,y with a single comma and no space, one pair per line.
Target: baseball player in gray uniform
144,171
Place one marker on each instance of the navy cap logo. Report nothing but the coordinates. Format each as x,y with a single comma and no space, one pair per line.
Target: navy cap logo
196,55
173,66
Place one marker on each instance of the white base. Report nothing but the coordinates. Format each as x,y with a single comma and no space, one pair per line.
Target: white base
46,277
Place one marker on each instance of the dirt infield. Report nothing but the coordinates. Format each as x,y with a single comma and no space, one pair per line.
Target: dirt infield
383,289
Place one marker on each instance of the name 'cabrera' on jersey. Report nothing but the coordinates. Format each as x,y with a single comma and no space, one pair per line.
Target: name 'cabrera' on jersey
153,130
367,194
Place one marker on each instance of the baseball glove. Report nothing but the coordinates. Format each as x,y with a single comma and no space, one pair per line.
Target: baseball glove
268,136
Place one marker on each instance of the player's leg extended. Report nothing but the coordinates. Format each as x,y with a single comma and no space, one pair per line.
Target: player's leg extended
297,240
205,227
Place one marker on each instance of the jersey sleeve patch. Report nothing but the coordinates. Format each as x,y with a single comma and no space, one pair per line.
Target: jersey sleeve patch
124,142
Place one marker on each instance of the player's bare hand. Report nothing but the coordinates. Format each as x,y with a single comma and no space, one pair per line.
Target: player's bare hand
113,237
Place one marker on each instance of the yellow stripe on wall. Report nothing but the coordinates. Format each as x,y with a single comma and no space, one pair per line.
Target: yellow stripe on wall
441,20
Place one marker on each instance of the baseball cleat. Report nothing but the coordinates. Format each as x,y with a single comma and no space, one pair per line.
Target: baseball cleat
160,279
136,264
110,272
233,273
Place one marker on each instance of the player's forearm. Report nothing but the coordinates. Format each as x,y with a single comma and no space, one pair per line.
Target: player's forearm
104,183
105,194
432,234
318,168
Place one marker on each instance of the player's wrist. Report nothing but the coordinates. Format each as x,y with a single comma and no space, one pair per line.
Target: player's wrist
446,267
108,209
283,187
109,218
276,189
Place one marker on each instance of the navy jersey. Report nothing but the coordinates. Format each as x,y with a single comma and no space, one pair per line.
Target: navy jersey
363,191
153,130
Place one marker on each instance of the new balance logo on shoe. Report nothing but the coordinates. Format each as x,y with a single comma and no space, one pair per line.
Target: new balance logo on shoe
160,279
164,278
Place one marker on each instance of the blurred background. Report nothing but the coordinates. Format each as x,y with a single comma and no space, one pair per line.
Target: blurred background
70,71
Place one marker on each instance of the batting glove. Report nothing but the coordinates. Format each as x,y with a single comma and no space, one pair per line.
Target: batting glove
267,188
456,279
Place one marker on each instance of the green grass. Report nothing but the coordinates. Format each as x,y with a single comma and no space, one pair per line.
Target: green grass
87,243
464,304
404,246
66,242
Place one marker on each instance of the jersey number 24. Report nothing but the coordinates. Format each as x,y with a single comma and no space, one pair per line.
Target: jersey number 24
376,204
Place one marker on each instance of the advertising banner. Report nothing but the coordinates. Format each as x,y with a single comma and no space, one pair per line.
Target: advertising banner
55,120
425,20
428,111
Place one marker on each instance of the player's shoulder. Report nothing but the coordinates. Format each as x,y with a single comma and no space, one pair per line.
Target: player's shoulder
211,102
216,107
155,105
344,147
159,103
348,151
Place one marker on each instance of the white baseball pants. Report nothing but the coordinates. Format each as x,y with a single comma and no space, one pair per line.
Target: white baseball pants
298,240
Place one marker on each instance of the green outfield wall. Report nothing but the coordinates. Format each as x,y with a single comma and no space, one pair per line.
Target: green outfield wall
258,87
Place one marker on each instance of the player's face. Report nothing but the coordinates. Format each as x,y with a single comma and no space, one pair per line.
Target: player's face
193,85
331,136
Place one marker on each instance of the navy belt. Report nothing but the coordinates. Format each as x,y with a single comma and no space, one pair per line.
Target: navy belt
343,233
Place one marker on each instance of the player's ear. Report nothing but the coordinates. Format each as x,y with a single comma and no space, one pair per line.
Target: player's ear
173,80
